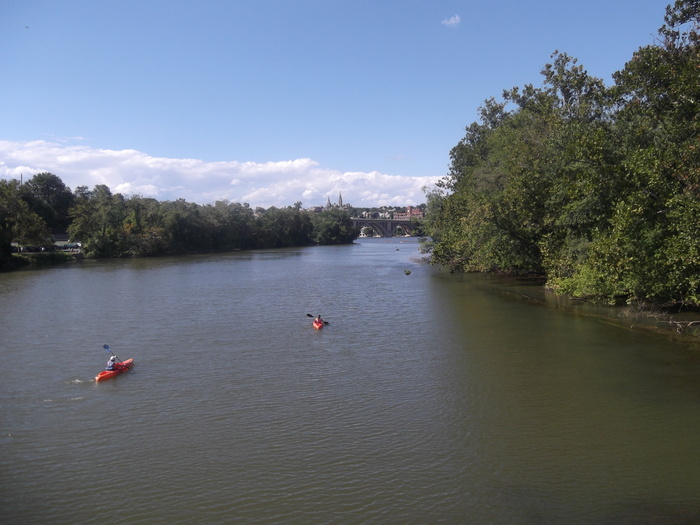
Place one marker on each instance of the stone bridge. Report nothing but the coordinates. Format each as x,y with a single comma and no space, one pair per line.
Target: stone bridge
384,227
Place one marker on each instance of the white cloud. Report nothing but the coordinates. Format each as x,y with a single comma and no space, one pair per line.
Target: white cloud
452,21
266,184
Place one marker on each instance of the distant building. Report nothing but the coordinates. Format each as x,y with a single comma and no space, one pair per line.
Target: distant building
339,205
411,213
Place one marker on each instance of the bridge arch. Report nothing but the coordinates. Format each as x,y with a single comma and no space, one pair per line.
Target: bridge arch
384,227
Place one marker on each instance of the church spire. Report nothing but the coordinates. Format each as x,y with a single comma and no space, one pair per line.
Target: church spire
340,199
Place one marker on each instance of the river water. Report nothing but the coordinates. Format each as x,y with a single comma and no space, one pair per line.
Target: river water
429,398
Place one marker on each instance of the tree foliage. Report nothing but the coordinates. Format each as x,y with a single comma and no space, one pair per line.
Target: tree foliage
597,188
111,225
333,227
50,199
18,223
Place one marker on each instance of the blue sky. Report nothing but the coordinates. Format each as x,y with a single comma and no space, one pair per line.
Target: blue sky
271,102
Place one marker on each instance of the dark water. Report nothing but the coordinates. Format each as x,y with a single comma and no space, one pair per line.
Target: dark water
429,398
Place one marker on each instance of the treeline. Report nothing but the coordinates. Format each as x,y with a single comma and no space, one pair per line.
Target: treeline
112,225
595,188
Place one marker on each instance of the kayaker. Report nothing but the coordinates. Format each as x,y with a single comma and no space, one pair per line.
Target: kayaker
111,363
318,319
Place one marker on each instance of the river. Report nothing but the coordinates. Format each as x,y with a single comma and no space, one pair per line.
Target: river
429,397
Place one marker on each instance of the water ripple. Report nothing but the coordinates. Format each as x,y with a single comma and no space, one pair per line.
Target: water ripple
417,404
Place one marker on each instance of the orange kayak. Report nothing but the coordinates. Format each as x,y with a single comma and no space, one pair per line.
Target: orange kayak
120,367
318,324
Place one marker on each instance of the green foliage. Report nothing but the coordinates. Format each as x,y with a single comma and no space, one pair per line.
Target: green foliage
98,218
596,188
18,223
111,225
50,199
284,227
333,227
46,258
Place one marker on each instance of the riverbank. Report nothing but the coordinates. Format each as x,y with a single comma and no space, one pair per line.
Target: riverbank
679,326
37,259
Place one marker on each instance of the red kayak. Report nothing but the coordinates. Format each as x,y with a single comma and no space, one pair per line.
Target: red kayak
318,324
120,367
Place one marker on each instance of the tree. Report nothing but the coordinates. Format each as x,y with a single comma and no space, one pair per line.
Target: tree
333,227
512,173
186,226
651,250
284,227
596,188
50,198
18,223
97,221
142,231
231,225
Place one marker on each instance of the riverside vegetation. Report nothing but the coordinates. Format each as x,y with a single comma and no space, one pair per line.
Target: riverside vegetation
596,189
111,225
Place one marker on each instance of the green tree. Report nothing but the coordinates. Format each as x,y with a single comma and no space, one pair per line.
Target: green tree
651,249
187,227
513,172
143,232
231,225
333,227
97,221
284,227
49,197
596,188
18,223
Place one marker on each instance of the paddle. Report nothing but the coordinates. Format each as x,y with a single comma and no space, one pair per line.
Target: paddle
314,317
118,365
106,347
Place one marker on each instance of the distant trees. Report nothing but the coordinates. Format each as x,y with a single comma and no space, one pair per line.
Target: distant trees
111,225
596,188
333,227
114,226
18,223
285,227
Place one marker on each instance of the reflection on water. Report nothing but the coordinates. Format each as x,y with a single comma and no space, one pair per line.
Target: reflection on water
429,398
